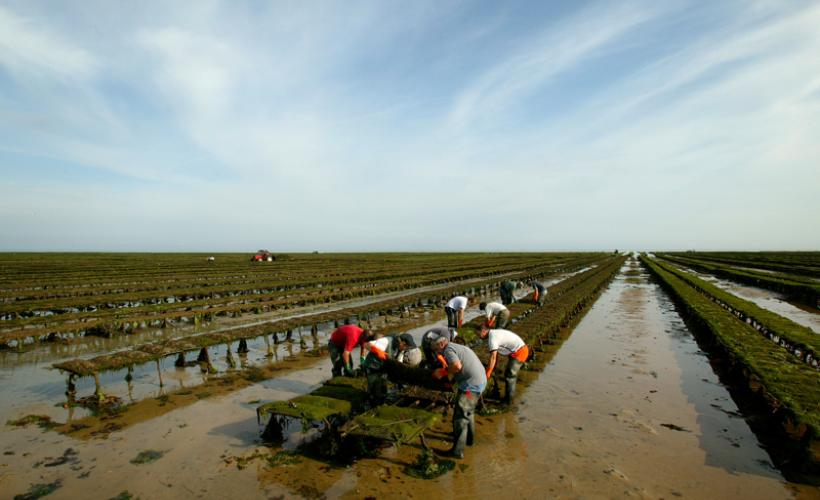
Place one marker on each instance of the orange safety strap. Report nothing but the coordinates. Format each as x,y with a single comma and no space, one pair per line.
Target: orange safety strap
535,295
378,352
491,322
440,373
442,361
521,354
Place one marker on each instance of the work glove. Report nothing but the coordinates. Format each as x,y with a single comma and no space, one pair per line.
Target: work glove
440,373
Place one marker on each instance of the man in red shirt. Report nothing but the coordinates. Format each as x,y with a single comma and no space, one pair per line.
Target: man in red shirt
341,344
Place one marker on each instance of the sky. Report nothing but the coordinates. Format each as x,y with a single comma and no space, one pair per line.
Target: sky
409,126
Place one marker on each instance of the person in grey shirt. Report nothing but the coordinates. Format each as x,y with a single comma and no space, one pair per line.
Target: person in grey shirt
468,373
427,344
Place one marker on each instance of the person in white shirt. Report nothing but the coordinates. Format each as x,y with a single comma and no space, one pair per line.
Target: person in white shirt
506,343
455,311
498,316
380,349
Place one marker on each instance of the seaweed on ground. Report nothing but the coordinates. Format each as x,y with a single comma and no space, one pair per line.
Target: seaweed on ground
39,490
427,466
147,456
392,423
42,421
123,495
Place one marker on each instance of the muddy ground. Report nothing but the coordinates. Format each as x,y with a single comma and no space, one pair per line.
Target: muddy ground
629,407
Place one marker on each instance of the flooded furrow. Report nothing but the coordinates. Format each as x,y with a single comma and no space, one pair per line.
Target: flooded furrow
631,406
767,299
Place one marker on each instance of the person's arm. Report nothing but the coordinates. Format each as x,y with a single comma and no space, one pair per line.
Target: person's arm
491,365
348,366
460,317
454,367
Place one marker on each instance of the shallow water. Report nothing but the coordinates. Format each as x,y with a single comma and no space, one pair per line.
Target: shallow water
591,425
768,300
31,386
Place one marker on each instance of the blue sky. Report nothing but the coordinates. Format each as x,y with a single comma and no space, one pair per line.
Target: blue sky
368,126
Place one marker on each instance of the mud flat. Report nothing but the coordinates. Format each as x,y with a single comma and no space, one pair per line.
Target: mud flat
629,406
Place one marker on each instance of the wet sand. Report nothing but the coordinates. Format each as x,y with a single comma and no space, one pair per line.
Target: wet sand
628,407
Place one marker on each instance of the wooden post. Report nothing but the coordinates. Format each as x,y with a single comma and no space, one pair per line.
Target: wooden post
159,372
71,389
270,349
314,334
229,357
97,389
243,346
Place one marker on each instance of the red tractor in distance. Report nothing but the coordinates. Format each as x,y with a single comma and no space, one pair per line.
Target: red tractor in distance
263,256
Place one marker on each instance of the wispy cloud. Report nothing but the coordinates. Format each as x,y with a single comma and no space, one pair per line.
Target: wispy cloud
560,47
360,124
30,52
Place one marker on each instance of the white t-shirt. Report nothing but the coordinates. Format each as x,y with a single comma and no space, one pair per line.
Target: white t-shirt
503,341
382,343
459,302
493,308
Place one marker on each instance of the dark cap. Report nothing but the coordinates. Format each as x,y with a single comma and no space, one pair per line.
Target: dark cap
407,339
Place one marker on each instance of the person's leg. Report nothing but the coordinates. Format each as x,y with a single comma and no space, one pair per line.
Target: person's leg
376,387
335,359
503,319
463,421
451,317
511,377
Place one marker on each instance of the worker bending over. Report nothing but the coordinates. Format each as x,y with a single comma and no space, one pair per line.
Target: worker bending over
455,311
379,349
431,359
341,344
539,292
506,290
468,373
509,344
498,316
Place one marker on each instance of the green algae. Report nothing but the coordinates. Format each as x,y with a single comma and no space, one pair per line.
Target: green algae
123,495
427,466
392,423
790,387
283,457
308,407
147,456
43,421
39,490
